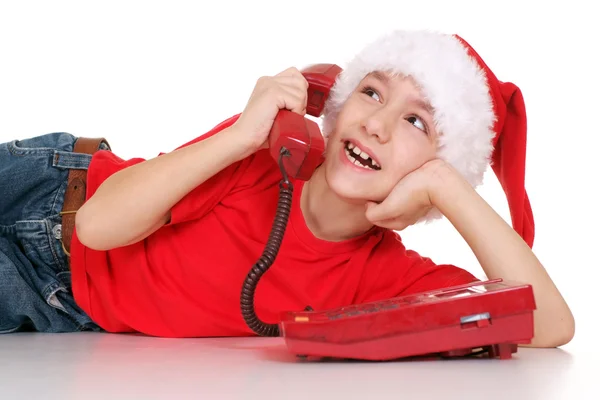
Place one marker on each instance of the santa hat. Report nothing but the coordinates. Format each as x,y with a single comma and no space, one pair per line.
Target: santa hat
481,120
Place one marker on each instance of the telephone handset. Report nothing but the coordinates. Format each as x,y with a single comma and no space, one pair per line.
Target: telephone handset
296,143
300,136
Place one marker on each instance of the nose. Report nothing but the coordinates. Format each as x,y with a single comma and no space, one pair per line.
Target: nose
376,125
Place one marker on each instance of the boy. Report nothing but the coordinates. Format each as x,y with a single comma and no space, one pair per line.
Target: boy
162,246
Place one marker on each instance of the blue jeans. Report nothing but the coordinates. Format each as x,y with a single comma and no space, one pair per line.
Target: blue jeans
35,281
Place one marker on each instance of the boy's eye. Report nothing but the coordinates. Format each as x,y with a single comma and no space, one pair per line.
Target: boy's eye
370,92
418,122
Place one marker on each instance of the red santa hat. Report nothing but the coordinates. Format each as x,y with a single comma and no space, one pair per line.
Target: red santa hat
481,120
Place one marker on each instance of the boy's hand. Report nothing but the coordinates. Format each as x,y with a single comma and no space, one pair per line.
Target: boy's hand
410,200
286,90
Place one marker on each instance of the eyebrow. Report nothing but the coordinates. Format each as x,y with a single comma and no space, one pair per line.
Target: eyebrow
384,78
424,105
380,76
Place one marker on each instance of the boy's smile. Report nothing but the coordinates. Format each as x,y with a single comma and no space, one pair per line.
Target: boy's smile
356,155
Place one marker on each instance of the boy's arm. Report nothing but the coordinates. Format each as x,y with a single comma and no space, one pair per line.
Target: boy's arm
502,253
141,196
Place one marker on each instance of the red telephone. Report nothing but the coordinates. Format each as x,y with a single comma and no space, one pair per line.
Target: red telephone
492,315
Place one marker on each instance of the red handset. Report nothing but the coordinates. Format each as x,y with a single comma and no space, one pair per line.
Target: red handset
302,136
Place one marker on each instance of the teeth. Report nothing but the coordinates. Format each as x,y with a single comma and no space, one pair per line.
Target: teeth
355,161
358,152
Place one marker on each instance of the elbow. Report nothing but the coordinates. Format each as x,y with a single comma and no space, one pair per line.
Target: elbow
566,333
557,336
566,330
553,342
88,233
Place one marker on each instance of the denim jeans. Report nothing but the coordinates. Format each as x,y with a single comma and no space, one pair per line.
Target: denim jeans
35,281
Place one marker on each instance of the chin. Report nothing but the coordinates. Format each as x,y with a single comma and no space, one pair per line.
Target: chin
350,188
353,183
347,192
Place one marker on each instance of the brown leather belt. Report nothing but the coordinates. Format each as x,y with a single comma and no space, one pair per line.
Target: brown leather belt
76,189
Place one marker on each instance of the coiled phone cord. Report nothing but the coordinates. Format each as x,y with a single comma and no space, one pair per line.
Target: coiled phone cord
268,256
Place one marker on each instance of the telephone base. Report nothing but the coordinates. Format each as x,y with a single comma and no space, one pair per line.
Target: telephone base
484,318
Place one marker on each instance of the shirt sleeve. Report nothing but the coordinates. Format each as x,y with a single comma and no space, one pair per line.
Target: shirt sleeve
199,201
400,271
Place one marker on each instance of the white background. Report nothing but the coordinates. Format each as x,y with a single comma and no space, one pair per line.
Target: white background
152,75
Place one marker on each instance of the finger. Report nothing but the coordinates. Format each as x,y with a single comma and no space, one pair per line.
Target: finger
297,83
301,97
396,224
291,72
292,99
403,221
288,71
298,93
293,80
382,211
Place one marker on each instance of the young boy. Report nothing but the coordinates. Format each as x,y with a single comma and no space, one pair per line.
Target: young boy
163,246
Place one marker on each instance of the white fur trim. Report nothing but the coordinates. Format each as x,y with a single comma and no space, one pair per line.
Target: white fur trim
453,83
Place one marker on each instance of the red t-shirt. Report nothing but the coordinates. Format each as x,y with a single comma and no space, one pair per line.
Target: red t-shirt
185,279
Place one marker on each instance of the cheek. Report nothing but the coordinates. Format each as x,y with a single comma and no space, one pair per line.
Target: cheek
331,137
411,153
405,158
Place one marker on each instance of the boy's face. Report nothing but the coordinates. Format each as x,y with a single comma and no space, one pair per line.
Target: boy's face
387,119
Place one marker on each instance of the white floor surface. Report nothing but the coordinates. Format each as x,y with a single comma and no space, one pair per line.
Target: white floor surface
105,366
